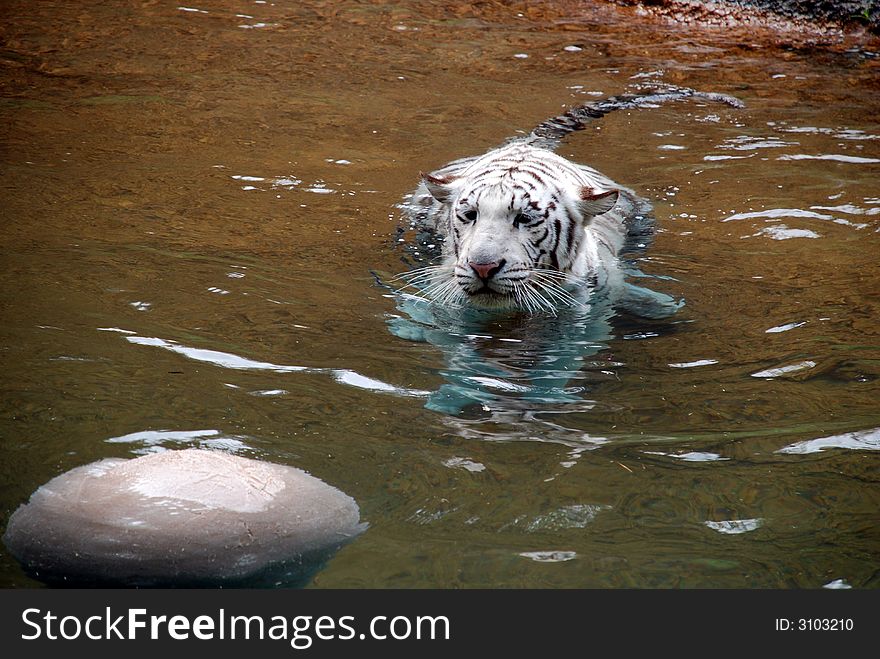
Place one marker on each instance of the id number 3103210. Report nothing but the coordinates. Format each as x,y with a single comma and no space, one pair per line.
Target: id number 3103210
814,624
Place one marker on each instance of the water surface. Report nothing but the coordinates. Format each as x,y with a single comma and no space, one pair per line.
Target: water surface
195,200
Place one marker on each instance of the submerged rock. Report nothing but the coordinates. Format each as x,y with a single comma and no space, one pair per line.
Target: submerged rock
181,518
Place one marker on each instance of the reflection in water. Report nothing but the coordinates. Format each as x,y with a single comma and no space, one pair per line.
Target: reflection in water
788,369
123,167
837,584
577,516
505,362
156,441
534,366
691,456
515,425
783,232
735,526
693,364
236,362
865,440
775,213
549,556
784,328
838,157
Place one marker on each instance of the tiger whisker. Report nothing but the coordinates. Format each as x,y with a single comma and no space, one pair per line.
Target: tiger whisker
551,281
444,292
556,292
556,276
428,272
550,290
430,284
433,293
545,290
533,300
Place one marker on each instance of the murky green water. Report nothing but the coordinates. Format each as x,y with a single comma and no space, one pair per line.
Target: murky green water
178,181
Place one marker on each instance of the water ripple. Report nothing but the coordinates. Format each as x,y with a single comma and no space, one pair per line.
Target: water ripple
849,209
699,362
549,556
577,516
785,328
691,456
778,212
772,214
735,526
837,157
153,441
784,370
839,133
782,232
236,362
748,143
464,463
837,584
862,440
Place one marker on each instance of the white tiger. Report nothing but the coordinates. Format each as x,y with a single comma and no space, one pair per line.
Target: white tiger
524,228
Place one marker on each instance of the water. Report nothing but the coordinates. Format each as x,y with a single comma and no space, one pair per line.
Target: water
192,224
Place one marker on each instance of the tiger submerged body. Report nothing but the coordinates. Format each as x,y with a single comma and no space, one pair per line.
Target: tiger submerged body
524,228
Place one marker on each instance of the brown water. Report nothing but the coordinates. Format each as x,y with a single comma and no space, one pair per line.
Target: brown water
130,240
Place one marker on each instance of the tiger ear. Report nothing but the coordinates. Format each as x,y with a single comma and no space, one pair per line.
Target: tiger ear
440,187
593,202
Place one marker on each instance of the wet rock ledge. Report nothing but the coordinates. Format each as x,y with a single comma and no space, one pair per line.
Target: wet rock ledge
848,15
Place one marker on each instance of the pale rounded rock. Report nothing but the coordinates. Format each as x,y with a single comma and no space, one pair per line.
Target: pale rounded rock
181,518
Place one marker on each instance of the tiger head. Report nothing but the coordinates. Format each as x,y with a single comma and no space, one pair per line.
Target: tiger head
511,243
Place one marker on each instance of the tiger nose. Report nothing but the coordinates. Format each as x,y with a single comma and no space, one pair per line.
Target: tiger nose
485,271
